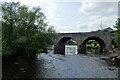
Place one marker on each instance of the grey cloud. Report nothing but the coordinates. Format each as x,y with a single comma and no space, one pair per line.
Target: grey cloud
98,7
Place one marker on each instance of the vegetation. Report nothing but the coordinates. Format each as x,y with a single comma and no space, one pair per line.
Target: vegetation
24,30
92,44
117,33
71,42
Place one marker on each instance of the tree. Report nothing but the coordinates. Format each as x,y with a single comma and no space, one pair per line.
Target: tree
24,30
117,32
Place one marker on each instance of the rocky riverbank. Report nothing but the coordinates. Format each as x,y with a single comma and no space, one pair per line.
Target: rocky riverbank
113,58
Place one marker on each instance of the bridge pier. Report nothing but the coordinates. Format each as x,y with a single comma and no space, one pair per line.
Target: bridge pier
81,49
59,49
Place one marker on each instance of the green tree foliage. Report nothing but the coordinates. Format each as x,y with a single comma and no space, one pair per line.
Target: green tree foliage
24,30
71,42
92,44
117,32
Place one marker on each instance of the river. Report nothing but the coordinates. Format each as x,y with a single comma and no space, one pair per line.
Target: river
57,66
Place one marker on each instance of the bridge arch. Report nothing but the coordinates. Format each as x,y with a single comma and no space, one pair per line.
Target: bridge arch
113,44
97,39
60,47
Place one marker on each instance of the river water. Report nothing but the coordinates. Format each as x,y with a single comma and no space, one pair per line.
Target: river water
57,66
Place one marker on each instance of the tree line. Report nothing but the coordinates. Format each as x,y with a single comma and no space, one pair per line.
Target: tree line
24,30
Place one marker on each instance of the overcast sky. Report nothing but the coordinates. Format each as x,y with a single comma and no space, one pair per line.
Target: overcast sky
77,15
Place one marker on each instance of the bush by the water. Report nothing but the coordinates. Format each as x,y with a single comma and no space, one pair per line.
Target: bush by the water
24,30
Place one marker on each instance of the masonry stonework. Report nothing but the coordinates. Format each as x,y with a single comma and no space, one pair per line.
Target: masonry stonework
104,37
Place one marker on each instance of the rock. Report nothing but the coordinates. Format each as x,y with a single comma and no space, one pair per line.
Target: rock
116,60
118,57
111,68
22,69
16,63
104,58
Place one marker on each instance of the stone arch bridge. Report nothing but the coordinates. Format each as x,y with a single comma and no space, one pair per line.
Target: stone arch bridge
104,37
